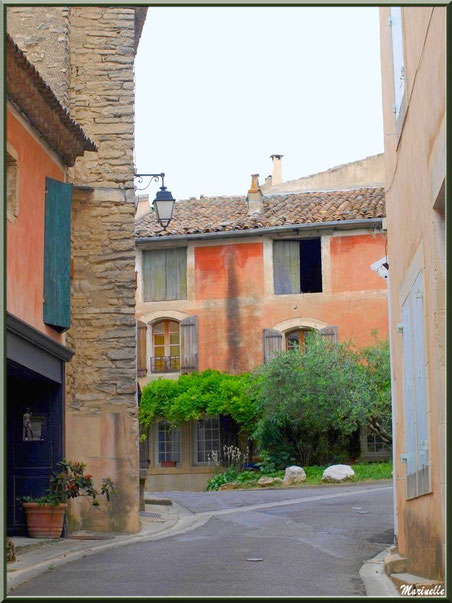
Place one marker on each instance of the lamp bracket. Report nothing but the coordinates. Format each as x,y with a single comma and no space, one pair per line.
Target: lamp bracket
152,177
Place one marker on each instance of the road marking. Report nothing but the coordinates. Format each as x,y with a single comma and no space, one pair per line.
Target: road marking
293,501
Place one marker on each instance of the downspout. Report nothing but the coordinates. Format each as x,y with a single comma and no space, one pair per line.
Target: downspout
393,419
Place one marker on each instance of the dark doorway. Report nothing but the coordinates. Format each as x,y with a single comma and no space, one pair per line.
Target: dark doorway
34,437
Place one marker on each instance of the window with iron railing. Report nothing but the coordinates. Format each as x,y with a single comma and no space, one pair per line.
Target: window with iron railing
165,347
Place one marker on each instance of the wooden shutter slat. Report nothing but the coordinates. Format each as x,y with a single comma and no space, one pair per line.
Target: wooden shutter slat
165,274
272,344
57,255
286,267
141,348
189,344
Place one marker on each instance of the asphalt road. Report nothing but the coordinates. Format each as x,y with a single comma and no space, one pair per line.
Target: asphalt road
308,541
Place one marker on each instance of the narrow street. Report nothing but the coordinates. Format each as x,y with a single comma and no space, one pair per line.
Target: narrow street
310,541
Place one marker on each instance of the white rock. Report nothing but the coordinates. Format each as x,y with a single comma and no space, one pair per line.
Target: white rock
265,481
337,473
294,475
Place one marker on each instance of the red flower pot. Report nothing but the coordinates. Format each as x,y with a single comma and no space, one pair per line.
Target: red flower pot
44,521
168,463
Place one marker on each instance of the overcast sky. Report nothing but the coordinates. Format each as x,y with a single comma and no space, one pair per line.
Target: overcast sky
220,89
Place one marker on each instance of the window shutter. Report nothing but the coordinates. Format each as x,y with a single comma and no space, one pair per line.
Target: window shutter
272,344
165,274
330,333
397,56
141,348
189,344
57,255
410,434
286,267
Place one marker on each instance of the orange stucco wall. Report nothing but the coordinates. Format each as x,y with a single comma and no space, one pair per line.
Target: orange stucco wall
350,261
25,237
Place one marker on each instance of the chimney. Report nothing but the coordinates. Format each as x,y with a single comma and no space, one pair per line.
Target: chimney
277,169
255,204
142,206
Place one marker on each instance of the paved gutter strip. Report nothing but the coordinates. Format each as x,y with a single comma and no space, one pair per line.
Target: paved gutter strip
376,582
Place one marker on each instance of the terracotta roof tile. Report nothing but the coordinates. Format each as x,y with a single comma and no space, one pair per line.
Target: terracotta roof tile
218,214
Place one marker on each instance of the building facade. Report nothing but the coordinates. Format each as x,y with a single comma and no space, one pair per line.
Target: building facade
414,109
234,280
86,55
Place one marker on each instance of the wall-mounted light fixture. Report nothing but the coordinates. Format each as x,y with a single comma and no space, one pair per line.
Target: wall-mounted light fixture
163,203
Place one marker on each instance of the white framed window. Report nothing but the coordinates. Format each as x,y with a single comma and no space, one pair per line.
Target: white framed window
398,64
167,443
206,439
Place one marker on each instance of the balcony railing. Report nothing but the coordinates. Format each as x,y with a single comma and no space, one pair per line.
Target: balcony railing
165,364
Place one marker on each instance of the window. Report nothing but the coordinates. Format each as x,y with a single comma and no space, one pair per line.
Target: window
415,392
297,266
165,274
168,443
57,255
12,197
375,443
207,439
297,339
165,347
395,21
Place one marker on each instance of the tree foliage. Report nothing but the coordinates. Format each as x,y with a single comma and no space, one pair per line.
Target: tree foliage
195,395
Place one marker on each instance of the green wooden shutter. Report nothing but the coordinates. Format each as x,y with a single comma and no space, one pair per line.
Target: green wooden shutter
57,255
141,348
165,274
286,267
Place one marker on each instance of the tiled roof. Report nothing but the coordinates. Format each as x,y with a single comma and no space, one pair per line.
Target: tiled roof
219,214
26,88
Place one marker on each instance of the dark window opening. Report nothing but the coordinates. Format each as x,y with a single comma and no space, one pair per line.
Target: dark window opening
310,266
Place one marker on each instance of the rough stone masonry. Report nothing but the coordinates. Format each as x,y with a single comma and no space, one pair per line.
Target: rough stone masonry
86,55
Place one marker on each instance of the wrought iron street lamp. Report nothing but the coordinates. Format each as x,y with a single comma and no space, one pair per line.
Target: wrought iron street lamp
163,203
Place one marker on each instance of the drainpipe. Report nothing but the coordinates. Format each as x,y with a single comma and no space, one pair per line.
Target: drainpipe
394,478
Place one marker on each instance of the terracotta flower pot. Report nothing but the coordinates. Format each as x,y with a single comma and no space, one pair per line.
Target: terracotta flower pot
168,463
44,521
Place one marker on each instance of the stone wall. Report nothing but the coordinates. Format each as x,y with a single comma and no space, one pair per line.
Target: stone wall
42,32
91,69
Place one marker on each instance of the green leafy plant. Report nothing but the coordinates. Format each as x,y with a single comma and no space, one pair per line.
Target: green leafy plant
71,481
195,395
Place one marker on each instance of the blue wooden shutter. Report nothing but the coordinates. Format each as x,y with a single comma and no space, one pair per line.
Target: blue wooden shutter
286,267
410,435
422,469
57,255
397,57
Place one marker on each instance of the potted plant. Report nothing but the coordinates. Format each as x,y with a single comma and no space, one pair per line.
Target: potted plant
45,515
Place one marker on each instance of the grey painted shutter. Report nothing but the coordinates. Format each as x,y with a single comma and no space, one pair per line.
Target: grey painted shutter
176,273
330,333
410,434
57,255
286,267
154,275
272,344
189,344
165,274
422,468
141,348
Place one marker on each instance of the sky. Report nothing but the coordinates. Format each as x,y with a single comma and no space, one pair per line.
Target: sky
220,89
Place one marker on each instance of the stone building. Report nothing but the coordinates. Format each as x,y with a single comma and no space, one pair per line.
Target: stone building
413,64
234,279
86,55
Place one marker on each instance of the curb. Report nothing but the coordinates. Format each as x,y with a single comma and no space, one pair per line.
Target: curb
376,582
183,521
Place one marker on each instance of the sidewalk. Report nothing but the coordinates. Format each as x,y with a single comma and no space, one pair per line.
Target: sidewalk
36,555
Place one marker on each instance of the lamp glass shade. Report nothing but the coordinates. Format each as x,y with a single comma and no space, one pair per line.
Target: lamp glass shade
164,206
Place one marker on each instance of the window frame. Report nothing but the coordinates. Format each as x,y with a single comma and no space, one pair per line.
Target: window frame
178,431
195,461
166,344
